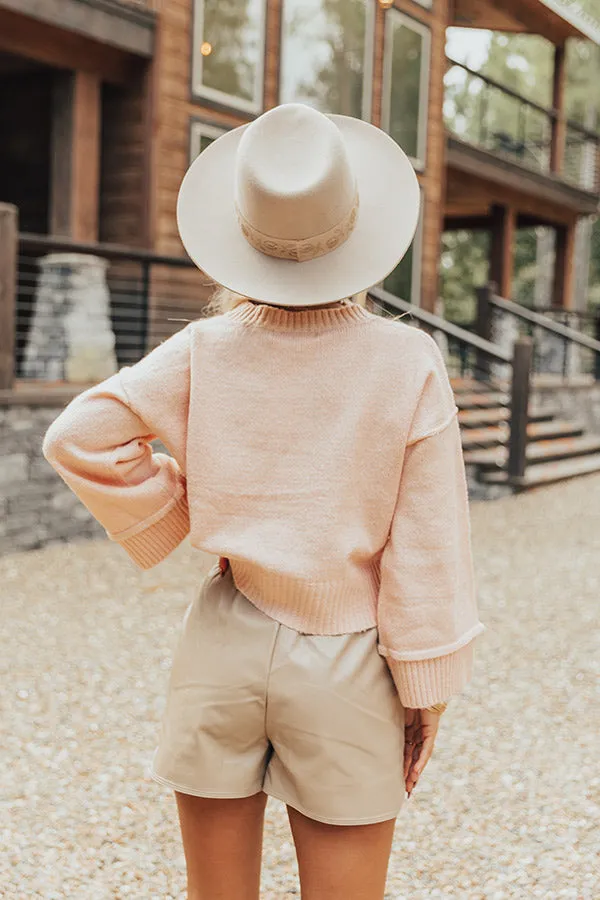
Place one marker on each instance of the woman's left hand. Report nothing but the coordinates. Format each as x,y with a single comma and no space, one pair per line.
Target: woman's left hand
420,731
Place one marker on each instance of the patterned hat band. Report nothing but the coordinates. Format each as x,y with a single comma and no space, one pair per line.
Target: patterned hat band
305,249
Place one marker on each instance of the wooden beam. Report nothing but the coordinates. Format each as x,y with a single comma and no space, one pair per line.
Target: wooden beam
52,46
503,220
559,125
75,164
9,230
564,267
86,156
521,16
467,223
121,25
508,175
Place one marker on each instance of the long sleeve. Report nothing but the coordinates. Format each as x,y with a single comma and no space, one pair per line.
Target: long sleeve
100,446
427,609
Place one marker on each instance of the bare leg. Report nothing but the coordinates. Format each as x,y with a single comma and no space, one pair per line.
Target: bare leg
222,842
341,862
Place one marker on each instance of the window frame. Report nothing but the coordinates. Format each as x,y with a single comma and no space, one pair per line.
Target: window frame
392,16
201,92
368,60
199,129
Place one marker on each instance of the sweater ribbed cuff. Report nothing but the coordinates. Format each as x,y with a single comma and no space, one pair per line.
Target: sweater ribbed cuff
423,682
149,547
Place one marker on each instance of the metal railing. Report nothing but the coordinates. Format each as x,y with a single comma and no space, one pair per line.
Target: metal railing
581,164
482,111
484,365
567,347
144,307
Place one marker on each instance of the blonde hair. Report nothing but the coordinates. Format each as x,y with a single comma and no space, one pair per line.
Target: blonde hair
224,300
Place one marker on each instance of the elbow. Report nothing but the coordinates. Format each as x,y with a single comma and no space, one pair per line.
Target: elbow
57,440
53,443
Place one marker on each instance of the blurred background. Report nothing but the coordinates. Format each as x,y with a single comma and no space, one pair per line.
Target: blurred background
103,105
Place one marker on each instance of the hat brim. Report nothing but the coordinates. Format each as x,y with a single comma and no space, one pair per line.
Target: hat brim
388,213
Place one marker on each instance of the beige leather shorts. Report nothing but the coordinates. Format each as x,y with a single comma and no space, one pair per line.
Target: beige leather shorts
313,720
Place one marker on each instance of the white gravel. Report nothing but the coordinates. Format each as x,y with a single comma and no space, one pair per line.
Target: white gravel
509,807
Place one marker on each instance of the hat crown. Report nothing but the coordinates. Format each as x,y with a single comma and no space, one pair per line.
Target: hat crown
293,178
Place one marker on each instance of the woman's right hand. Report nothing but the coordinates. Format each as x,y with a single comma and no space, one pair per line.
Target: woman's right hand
420,731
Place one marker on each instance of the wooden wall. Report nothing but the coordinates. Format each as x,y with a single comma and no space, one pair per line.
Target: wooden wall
126,143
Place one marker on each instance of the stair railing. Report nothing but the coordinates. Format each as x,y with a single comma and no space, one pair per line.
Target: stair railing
486,356
488,302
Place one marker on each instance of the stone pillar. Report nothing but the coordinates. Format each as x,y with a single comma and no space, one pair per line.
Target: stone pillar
550,352
505,331
71,337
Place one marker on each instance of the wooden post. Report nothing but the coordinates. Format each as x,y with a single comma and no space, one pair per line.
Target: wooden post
519,407
483,324
502,248
559,124
75,164
9,243
564,267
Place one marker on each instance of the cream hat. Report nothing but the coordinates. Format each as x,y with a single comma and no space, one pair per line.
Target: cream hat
299,208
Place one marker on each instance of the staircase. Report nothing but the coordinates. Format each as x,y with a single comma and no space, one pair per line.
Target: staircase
557,448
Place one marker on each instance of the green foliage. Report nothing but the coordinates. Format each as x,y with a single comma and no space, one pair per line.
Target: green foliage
464,268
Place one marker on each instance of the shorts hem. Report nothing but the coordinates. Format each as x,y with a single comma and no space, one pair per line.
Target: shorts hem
328,820
193,792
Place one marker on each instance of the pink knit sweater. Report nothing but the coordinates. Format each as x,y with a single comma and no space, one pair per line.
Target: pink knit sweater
319,451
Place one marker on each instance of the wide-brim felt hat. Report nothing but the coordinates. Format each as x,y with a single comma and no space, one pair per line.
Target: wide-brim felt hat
299,208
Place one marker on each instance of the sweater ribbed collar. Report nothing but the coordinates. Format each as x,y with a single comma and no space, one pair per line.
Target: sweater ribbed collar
318,319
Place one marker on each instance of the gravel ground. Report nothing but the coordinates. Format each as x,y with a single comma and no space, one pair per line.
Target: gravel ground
509,807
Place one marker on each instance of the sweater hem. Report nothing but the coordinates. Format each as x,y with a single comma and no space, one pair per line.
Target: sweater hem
291,603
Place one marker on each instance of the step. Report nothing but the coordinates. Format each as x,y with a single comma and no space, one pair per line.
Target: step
545,473
473,417
556,428
472,438
468,385
470,399
537,452
483,437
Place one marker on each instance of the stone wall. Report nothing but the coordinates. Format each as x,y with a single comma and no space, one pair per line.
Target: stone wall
575,401
36,506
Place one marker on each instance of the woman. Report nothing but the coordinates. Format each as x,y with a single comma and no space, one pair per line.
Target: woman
315,449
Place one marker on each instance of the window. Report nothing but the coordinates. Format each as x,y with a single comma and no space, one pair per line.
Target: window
327,55
228,52
405,280
201,135
405,84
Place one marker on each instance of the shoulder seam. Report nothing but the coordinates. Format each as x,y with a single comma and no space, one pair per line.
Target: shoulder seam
436,429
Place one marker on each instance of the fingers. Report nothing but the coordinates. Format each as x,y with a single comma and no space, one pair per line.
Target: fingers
412,724
420,754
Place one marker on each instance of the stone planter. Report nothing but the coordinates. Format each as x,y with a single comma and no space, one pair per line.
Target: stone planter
71,337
